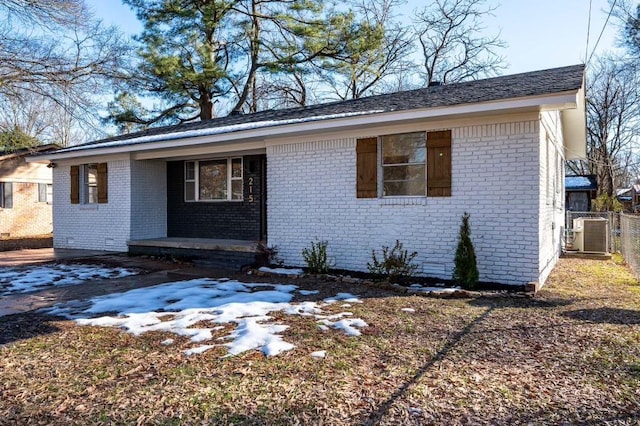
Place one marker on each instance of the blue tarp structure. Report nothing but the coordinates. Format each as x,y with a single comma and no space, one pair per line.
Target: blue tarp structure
580,183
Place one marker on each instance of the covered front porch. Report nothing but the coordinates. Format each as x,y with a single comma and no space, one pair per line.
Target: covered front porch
213,252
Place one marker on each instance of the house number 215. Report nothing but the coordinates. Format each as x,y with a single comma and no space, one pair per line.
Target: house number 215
250,182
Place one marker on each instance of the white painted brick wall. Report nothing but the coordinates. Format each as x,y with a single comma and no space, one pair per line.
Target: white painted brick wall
148,199
551,206
312,194
93,226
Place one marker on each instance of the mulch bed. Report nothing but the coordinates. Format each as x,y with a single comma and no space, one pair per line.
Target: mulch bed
569,355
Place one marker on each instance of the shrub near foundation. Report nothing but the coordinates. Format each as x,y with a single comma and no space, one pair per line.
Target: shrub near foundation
465,272
316,257
396,264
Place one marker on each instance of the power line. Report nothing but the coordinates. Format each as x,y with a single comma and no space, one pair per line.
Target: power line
613,5
586,47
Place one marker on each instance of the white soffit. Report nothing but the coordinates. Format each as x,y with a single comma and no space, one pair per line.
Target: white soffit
574,129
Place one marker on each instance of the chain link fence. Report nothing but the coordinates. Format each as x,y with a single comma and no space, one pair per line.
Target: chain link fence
614,226
630,239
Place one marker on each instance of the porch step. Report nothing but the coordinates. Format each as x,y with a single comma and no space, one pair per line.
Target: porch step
212,253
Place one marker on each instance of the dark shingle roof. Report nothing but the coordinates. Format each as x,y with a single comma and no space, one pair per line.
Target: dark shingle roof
534,83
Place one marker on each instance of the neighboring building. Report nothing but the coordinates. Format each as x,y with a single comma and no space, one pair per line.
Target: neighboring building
630,198
359,174
25,194
579,191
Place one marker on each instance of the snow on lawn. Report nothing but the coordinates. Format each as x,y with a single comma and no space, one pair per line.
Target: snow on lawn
433,290
281,271
30,278
196,308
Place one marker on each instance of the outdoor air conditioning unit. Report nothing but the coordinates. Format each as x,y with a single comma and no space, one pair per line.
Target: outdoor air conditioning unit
591,234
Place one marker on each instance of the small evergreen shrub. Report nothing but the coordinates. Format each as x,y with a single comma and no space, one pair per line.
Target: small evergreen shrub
465,272
396,264
316,257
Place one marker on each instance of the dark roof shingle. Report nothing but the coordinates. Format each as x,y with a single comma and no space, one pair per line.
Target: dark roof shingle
536,83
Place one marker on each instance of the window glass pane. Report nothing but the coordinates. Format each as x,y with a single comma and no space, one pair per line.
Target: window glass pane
190,191
404,148
91,179
236,168
410,187
395,173
189,170
213,180
50,193
236,189
42,192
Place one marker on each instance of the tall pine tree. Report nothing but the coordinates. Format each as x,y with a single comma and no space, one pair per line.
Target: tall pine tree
202,58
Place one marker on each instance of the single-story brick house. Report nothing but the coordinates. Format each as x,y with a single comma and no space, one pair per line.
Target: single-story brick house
358,173
25,194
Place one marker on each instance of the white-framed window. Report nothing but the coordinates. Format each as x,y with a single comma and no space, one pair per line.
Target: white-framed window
217,179
403,164
6,195
415,164
45,193
89,176
89,183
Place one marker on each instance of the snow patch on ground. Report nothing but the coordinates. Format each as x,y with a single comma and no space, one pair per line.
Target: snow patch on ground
281,271
319,354
196,308
408,310
442,290
344,297
30,278
349,325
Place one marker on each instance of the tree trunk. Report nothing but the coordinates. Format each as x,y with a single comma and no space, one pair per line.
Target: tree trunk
206,106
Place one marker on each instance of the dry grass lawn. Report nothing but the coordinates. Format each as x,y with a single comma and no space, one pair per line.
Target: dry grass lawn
571,355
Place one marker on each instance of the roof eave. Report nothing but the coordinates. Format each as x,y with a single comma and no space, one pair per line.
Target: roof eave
574,129
564,101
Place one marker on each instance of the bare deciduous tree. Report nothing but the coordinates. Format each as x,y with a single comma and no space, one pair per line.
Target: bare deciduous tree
613,108
53,49
453,49
374,48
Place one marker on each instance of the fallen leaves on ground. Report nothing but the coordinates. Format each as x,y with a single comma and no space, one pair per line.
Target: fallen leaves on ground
569,355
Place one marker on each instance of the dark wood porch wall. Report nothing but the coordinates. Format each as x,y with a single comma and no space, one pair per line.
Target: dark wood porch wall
240,220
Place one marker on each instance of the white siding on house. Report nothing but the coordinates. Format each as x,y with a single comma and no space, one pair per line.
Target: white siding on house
148,199
551,203
312,194
93,226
